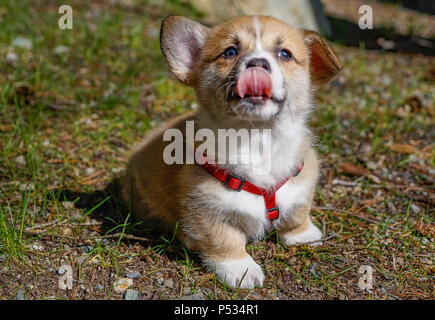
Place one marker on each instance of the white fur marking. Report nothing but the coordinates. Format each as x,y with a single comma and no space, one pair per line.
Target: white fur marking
311,234
233,271
257,28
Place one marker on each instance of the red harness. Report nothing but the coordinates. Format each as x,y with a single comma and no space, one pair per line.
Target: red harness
237,184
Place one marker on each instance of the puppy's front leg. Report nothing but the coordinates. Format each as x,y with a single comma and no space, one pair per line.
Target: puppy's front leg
223,251
298,228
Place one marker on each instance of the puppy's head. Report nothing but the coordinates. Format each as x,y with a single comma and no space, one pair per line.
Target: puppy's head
248,68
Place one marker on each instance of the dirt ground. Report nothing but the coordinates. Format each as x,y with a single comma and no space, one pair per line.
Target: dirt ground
73,104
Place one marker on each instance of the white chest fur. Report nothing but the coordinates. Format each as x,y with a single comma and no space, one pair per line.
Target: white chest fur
249,209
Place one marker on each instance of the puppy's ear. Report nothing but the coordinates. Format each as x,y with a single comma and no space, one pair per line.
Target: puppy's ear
324,64
181,40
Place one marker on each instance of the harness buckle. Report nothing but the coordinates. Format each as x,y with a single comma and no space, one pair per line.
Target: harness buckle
229,179
272,214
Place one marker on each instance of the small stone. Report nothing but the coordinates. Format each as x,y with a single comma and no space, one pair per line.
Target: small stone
169,283
11,57
415,209
37,247
21,42
342,297
26,186
153,32
195,296
35,210
159,280
133,275
117,169
387,45
21,295
63,269
66,232
90,171
86,249
292,260
131,294
366,149
424,241
372,165
3,257
99,287
254,295
186,291
391,206
67,204
399,260
20,160
61,49
122,284
313,269
81,259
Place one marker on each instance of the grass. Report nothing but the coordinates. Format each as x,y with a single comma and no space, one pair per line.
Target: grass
11,230
75,103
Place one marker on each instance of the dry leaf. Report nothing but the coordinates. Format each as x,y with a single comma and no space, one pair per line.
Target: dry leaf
426,230
351,169
403,148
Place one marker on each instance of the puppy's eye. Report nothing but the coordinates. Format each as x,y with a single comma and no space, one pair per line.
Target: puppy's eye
230,53
285,55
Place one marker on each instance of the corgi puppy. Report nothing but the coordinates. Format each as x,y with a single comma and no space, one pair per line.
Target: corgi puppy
253,72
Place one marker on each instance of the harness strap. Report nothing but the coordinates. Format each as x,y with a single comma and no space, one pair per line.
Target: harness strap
238,184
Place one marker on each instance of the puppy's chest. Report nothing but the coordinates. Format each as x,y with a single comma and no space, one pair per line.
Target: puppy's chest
247,205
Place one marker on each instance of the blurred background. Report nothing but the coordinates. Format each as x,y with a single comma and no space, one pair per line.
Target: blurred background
74,102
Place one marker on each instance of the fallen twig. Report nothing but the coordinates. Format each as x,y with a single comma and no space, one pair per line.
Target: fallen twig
43,225
354,215
109,236
57,223
388,186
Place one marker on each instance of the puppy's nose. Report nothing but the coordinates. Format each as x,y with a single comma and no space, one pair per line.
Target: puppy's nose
259,62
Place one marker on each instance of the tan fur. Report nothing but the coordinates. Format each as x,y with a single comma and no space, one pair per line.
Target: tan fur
159,190
181,192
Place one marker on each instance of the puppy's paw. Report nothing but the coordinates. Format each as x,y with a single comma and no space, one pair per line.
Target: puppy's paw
312,233
232,271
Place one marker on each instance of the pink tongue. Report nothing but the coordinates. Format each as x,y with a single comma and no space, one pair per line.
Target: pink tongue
254,82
